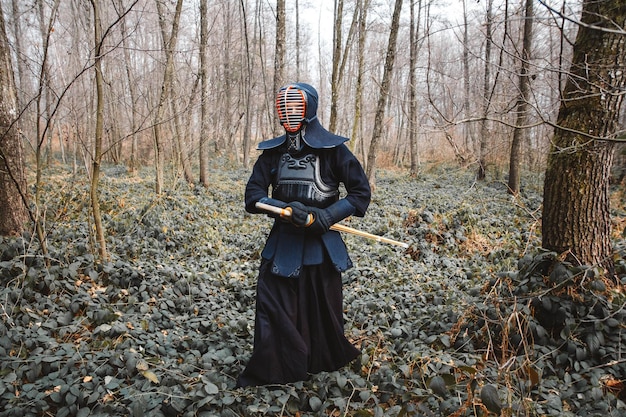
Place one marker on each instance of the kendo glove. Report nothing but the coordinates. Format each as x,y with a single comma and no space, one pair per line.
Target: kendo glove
300,215
323,219
272,202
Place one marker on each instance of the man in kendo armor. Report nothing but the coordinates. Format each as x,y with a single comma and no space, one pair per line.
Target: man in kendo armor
299,327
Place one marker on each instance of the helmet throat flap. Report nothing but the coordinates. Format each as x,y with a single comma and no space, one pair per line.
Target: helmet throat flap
294,142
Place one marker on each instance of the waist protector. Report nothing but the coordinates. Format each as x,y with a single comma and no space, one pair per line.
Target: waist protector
298,179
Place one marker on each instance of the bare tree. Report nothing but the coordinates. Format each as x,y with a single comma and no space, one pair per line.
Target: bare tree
298,43
180,132
279,53
576,219
413,41
384,93
132,90
484,130
247,91
357,142
335,74
97,153
341,54
467,139
44,98
169,44
13,191
522,101
42,126
204,95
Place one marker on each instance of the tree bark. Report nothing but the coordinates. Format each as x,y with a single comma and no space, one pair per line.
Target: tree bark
576,218
19,50
13,189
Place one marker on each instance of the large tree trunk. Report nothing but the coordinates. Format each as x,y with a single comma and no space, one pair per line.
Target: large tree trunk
576,218
13,210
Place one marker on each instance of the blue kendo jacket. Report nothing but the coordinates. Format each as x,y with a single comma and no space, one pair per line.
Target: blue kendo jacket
290,247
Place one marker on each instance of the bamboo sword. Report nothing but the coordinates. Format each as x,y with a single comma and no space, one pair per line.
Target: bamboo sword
337,227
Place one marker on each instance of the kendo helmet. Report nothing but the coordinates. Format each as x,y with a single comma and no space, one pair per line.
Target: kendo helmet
302,99
296,105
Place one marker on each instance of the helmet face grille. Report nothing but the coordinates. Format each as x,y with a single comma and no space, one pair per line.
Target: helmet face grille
291,107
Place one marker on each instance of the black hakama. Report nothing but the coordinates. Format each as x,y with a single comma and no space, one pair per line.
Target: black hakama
299,327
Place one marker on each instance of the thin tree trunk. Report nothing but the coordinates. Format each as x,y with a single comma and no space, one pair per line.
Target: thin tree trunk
204,95
297,40
227,107
384,93
41,132
484,130
340,60
362,6
414,31
132,91
522,103
466,81
179,135
576,218
169,44
97,154
334,84
43,112
248,86
279,54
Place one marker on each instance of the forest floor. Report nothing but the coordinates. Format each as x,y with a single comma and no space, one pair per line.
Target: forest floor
473,319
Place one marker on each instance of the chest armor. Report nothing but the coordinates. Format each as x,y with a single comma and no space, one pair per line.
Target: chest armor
298,179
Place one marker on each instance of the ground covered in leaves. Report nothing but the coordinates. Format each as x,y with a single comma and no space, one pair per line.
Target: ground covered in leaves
472,320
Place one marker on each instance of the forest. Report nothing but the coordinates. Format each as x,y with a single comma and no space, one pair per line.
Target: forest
492,134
